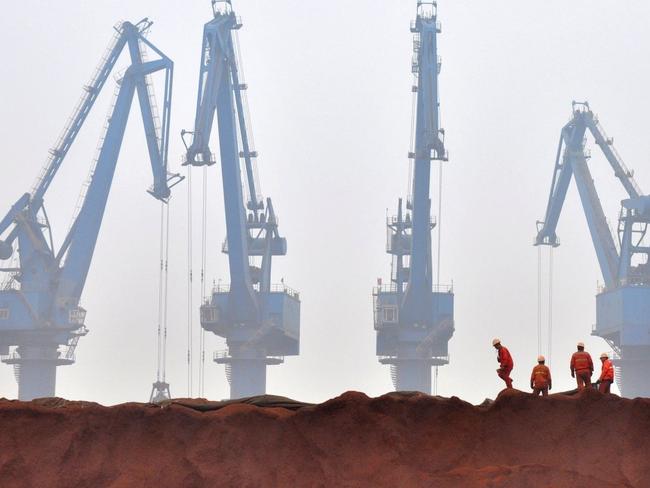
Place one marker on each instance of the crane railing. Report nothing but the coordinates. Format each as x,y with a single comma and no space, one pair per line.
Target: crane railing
275,288
79,114
624,173
152,97
83,192
394,288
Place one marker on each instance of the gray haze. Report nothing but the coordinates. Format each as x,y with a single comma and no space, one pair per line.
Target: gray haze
331,105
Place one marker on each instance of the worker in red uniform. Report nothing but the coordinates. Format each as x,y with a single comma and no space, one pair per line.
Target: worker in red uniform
505,362
582,367
606,374
540,379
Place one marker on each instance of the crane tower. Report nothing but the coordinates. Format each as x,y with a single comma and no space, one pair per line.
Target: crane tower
412,316
41,320
260,321
623,303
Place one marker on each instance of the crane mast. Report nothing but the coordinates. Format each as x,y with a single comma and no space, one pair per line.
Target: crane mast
260,321
39,300
413,318
623,304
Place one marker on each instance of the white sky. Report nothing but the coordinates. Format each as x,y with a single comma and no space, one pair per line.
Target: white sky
329,92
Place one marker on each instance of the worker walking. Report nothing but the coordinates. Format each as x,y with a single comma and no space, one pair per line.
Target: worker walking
540,379
606,374
582,367
505,362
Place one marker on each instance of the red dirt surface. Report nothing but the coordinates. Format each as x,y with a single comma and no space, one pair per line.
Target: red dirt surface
411,440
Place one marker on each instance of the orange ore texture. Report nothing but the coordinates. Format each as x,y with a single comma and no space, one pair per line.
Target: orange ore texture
399,439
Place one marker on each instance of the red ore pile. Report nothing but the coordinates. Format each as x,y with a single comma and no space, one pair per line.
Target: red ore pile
399,439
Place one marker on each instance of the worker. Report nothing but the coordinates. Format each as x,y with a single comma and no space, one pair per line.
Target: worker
582,367
505,362
606,374
540,379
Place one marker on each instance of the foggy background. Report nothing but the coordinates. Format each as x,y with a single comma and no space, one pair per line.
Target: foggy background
329,93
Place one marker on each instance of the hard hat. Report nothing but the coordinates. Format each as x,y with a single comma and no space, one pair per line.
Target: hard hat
604,356
581,344
496,341
541,359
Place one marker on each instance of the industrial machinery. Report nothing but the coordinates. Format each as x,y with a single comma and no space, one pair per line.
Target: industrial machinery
623,304
41,320
260,321
412,317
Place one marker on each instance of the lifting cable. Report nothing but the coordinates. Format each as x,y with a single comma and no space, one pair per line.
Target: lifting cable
435,382
165,300
539,300
189,282
204,213
414,102
439,221
435,378
160,293
550,305
549,318
163,281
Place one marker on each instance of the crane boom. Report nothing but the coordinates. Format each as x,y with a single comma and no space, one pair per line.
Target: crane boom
40,302
428,146
573,162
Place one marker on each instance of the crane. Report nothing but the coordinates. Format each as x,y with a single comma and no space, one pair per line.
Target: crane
623,303
412,317
41,320
260,321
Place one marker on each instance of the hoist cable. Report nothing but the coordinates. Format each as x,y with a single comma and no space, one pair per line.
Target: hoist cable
204,214
439,222
435,381
189,283
539,300
409,196
550,305
160,293
165,299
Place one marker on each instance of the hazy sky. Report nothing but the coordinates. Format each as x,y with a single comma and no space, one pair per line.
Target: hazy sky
329,92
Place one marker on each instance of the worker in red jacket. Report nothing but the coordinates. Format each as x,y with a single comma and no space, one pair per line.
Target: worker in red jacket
505,362
540,379
582,367
606,374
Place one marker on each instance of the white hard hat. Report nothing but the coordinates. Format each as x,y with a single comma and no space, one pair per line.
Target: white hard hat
541,359
581,344
496,341
604,356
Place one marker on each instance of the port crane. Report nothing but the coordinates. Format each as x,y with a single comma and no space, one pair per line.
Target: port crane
623,303
260,321
41,320
413,317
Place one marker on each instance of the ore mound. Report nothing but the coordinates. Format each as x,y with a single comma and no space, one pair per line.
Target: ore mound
399,439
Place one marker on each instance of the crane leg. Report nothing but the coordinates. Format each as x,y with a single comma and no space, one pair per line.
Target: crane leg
413,375
246,369
634,367
36,372
248,377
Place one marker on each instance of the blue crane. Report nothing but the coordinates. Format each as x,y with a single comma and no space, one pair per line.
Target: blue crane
40,315
412,317
260,321
623,303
